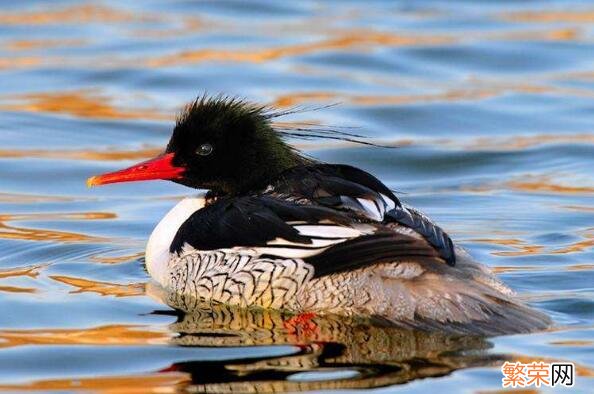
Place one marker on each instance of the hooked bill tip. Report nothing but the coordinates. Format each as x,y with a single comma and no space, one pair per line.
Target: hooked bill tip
92,181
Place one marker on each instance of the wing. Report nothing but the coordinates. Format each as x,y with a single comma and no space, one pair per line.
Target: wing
339,187
421,224
350,189
327,239
263,222
382,246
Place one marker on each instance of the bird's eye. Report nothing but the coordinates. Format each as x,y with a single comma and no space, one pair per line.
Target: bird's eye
204,149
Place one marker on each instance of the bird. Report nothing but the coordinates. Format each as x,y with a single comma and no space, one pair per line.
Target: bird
278,229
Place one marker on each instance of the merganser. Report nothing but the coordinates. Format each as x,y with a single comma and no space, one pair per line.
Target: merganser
281,230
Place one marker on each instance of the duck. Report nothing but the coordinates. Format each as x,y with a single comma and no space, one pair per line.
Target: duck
278,229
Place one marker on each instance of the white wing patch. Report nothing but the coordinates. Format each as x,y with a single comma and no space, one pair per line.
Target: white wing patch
289,253
372,208
390,204
323,236
316,243
328,231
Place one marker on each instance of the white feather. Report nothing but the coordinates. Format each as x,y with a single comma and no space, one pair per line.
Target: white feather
288,253
157,248
316,242
313,230
371,209
389,202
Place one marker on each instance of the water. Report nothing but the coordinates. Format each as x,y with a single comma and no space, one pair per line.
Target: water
491,103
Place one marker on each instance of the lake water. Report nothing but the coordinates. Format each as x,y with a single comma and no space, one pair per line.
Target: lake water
491,103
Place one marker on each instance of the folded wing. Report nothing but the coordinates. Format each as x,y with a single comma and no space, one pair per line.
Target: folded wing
327,239
350,189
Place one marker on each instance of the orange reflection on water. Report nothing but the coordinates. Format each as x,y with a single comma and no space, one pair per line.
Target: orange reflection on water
522,247
17,289
569,34
545,184
353,40
103,288
505,391
31,198
82,104
525,249
506,269
58,216
529,184
116,259
573,342
294,99
19,62
581,208
570,16
578,246
519,142
74,14
480,90
31,271
580,267
163,383
35,234
102,335
83,154
24,45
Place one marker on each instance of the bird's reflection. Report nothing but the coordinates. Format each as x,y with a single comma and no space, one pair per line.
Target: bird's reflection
331,352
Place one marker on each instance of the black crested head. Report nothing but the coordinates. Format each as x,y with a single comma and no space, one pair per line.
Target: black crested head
229,146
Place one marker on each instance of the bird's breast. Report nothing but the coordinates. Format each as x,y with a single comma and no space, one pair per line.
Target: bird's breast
157,248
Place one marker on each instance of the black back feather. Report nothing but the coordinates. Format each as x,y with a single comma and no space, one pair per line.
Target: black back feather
248,221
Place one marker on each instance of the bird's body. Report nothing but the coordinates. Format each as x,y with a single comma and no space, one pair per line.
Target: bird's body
303,236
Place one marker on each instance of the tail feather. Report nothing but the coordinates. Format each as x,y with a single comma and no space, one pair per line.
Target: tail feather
466,299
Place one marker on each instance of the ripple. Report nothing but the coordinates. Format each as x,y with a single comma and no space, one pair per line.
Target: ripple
17,289
546,16
105,155
27,45
102,335
37,234
82,104
521,246
544,184
127,384
33,199
357,40
74,14
20,62
104,259
102,288
31,271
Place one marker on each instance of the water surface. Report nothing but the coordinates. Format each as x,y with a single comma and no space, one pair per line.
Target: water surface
491,104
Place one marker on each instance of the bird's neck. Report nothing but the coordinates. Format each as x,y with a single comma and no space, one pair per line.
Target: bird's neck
259,177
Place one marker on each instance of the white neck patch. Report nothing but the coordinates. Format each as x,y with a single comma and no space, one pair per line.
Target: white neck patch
157,249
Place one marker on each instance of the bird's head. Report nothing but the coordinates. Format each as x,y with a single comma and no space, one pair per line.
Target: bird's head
224,145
